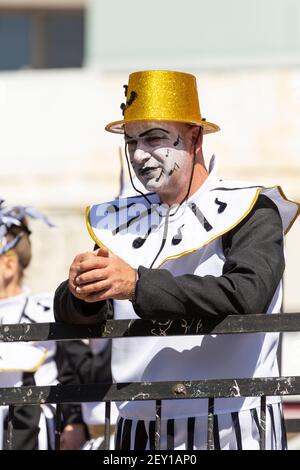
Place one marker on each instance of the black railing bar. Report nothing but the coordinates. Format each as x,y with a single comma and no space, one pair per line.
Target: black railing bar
57,426
107,426
210,424
232,324
262,424
157,424
225,388
10,428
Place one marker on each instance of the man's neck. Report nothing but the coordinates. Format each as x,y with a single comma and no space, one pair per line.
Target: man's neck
199,177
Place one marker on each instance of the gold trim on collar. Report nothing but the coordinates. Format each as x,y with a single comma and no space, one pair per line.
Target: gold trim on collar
90,230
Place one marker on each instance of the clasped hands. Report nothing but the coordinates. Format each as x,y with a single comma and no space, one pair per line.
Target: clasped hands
101,275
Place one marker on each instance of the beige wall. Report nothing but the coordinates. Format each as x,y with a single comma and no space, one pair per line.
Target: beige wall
56,155
199,33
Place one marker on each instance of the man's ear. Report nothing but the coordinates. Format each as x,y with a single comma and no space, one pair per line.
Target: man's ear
10,266
197,137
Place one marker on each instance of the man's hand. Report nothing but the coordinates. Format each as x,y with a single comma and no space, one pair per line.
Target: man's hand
101,275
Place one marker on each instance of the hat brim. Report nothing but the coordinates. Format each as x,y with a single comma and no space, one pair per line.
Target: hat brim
117,127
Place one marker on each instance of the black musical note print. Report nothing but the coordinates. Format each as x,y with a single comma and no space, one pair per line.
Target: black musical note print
178,237
222,205
138,242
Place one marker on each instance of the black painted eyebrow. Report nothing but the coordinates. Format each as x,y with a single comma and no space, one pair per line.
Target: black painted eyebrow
153,129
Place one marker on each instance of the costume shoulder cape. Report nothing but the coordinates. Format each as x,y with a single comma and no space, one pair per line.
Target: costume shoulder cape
121,225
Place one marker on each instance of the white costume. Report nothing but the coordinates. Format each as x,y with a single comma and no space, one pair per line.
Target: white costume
215,209
219,252
36,358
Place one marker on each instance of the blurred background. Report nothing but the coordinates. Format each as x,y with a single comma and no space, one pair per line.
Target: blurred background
63,64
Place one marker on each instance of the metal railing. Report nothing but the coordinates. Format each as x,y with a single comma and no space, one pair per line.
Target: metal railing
157,391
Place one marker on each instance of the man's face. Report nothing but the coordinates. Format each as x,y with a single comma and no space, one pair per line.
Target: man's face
160,154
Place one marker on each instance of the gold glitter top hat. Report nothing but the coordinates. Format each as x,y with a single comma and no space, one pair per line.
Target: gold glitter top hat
161,95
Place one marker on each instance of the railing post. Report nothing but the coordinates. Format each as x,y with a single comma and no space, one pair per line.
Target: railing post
210,424
107,426
57,426
262,423
11,410
157,424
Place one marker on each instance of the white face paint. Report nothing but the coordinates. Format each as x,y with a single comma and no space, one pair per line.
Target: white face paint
160,154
